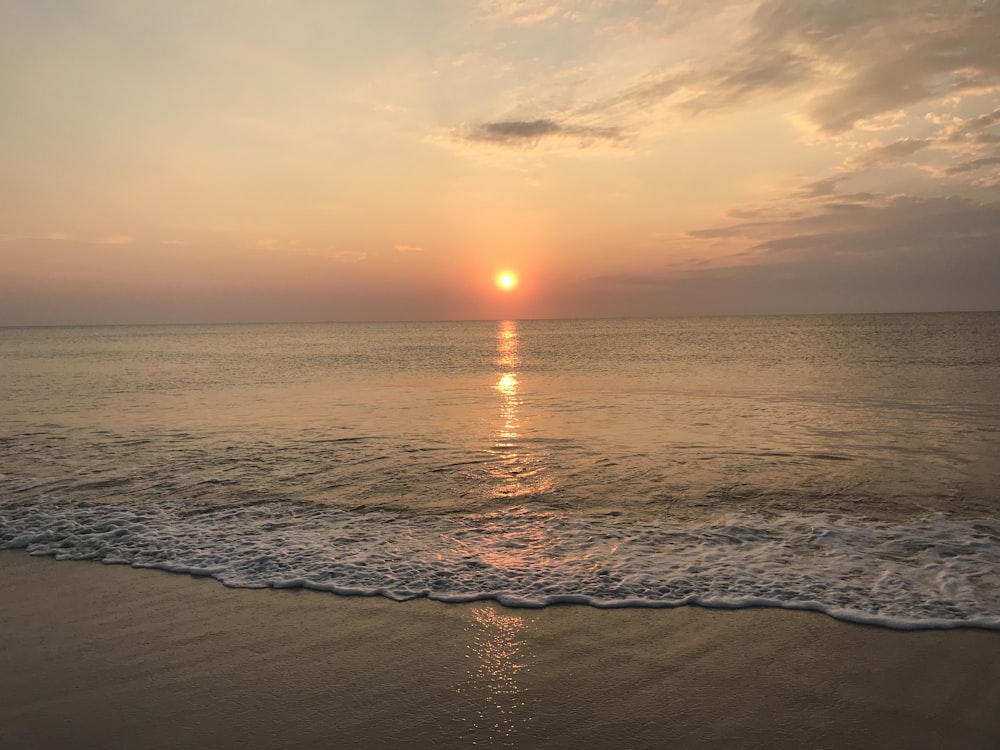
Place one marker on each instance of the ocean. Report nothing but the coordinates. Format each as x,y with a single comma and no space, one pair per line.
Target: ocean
844,464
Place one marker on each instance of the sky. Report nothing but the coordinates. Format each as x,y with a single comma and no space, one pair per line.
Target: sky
304,160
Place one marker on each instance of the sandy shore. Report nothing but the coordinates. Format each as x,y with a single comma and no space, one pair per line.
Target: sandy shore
96,656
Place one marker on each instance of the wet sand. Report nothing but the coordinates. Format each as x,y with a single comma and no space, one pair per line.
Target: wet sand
96,656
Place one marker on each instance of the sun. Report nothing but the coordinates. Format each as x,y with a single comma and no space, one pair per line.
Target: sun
506,280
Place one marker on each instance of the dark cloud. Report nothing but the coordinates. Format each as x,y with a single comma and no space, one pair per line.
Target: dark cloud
906,254
928,50
901,253
892,53
777,225
895,228
898,149
819,188
529,132
762,213
513,130
844,206
969,166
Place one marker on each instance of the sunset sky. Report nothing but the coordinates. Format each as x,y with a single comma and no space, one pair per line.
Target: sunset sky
285,160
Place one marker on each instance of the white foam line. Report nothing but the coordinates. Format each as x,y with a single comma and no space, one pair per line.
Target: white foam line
935,572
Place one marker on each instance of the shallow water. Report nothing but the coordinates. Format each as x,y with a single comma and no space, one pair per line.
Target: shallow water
841,463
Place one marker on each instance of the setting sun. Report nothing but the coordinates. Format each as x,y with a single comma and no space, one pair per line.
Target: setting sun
506,280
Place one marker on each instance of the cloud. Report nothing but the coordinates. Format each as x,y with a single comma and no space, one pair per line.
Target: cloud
846,61
332,253
892,254
347,256
897,227
963,143
958,146
878,57
542,15
819,188
513,130
898,149
991,182
50,236
634,280
286,248
407,249
113,239
527,12
974,164
771,212
530,132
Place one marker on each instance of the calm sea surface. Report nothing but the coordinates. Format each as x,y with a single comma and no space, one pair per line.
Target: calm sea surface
848,464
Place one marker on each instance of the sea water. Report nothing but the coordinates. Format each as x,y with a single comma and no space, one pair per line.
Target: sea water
845,464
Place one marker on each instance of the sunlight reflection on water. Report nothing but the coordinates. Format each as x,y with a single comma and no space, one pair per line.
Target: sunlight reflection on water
497,648
517,471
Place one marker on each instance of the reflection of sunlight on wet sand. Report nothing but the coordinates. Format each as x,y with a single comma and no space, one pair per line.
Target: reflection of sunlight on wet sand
498,654
516,472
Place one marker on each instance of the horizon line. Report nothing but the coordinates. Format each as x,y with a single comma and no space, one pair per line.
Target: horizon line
494,320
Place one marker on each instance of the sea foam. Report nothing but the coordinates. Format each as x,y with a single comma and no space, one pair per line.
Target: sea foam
935,572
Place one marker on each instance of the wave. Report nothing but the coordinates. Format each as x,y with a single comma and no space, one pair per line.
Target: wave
935,572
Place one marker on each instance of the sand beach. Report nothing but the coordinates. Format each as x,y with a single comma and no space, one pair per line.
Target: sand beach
99,656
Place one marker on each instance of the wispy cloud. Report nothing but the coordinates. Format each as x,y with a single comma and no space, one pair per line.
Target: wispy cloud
347,256
974,164
895,150
846,61
407,249
886,226
528,12
966,142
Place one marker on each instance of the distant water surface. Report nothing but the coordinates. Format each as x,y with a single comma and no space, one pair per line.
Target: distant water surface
848,464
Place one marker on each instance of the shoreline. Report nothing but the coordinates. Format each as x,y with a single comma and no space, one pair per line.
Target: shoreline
109,656
537,559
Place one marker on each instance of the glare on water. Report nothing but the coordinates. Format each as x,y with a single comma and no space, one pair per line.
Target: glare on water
517,471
